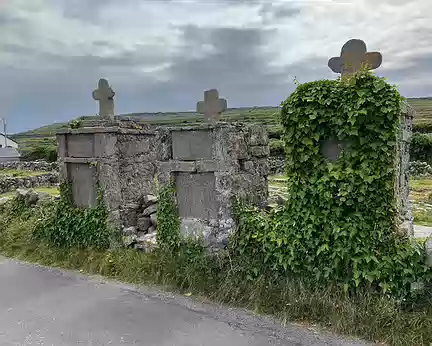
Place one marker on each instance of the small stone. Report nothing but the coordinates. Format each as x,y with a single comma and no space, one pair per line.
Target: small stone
130,240
148,200
153,219
152,229
147,242
150,210
128,231
143,223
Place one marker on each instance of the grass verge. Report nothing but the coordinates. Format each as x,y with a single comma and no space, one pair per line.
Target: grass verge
227,280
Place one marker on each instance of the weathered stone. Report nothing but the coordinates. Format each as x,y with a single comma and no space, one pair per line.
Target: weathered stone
152,230
192,145
181,166
259,151
129,240
148,200
143,223
212,105
153,219
353,57
258,136
80,145
105,95
203,166
196,195
150,210
147,242
128,231
83,179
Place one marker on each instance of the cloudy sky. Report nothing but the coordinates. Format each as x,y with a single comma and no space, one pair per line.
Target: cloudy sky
160,55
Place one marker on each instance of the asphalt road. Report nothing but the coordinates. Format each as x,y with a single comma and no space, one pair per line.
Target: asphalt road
43,306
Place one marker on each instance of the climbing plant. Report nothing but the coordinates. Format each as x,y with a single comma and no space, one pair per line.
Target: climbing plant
168,230
64,225
339,223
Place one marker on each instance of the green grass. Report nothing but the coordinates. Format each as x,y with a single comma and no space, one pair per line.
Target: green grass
19,173
225,280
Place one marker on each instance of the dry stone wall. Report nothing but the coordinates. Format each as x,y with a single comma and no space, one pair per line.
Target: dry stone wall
8,184
41,166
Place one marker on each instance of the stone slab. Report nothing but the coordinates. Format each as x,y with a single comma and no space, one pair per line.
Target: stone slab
192,145
196,195
83,180
80,145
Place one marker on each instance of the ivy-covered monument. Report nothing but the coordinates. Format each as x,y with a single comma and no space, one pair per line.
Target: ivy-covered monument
347,218
209,165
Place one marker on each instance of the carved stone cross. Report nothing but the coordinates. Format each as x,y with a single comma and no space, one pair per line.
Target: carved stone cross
353,56
212,105
105,95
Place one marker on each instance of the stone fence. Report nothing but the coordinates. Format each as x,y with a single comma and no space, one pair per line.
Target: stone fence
42,166
8,184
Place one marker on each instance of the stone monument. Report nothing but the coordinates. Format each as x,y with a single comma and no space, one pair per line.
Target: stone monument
353,56
105,95
212,105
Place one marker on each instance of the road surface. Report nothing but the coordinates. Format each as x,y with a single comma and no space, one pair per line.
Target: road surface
43,306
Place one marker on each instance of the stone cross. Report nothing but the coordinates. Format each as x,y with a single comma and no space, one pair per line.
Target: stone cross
105,95
353,56
212,105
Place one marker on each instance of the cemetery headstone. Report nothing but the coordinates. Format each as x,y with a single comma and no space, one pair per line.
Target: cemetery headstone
212,105
353,57
105,95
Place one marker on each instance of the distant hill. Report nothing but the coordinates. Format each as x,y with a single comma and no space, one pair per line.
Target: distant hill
267,116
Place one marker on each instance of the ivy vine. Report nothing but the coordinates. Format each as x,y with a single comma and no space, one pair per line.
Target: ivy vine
168,230
339,223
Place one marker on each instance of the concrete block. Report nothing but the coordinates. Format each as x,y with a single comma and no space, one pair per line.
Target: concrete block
196,195
192,145
84,184
62,146
105,144
206,166
80,145
180,166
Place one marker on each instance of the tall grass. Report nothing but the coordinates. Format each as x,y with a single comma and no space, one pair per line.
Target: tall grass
228,280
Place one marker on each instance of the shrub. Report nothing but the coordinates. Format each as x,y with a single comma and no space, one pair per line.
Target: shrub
41,152
420,169
276,147
421,147
338,224
66,226
422,127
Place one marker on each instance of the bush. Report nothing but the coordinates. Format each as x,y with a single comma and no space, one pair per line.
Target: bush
421,147
338,224
276,147
419,169
65,226
422,127
41,152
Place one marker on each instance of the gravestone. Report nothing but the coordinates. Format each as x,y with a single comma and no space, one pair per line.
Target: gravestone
105,95
353,56
212,105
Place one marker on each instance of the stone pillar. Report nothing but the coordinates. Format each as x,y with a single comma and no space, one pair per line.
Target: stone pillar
119,160
405,218
210,165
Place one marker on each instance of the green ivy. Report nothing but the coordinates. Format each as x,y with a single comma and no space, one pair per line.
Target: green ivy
339,223
168,230
67,226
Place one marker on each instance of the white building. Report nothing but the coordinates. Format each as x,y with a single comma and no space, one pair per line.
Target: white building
7,142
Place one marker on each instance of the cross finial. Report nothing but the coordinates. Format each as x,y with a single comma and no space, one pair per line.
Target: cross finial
353,55
105,95
212,105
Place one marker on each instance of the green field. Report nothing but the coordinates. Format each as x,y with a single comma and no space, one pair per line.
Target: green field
267,116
